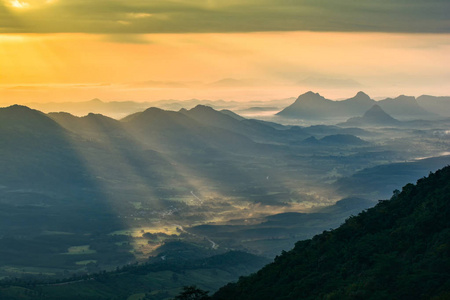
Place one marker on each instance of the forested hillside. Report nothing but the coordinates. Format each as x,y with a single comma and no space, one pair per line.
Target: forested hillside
399,249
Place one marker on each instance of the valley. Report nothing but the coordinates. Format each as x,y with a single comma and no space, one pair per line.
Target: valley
82,195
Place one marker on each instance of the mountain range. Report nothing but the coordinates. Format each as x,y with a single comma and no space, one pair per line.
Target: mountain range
314,106
87,194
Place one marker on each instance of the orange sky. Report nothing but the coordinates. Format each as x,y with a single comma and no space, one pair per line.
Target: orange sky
262,65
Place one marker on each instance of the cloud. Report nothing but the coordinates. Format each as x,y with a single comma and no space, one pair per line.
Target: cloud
231,82
158,84
330,82
127,38
180,16
136,15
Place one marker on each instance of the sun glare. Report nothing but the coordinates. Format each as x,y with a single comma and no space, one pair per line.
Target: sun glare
29,3
19,4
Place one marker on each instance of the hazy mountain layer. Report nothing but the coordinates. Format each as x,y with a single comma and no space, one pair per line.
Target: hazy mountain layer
84,194
437,105
375,116
313,106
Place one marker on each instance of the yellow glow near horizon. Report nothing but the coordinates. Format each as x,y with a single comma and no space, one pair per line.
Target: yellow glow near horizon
139,67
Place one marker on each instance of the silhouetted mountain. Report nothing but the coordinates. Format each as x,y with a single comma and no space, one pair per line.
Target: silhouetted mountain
437,105
309,106
209,116
91,125
46,185
313,106
405,108
22,119
173,131
256,130
232,114
113,108
356,105
359,98
33,149
375,116
395,250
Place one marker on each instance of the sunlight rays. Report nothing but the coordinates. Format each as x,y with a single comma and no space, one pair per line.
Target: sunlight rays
30,59
262,66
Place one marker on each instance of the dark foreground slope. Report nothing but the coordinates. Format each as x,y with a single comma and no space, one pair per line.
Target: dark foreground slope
399,249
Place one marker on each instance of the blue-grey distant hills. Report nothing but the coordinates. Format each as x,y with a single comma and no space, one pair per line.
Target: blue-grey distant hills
437,105
336,140
314,106
375,116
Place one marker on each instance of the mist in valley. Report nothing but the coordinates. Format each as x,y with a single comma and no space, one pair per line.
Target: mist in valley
92,193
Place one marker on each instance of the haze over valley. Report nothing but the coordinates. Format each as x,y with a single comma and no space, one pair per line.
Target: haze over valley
92,193
170,149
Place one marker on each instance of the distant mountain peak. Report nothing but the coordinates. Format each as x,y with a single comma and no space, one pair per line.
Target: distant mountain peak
405,107
361,95
374,116
153,110
92,115
20,110
361,98
25,117
343,139
307,105
17,107
310,94
95,100
310,97
202,107
406,97
376,113
375,109
402,99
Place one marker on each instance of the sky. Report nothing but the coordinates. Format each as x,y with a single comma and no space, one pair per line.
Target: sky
141,50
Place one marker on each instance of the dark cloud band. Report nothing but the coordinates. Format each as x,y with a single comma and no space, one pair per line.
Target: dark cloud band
180,16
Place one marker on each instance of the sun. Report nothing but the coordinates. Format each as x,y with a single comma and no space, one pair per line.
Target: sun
20,4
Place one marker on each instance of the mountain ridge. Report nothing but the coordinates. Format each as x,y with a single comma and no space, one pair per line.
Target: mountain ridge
312,105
